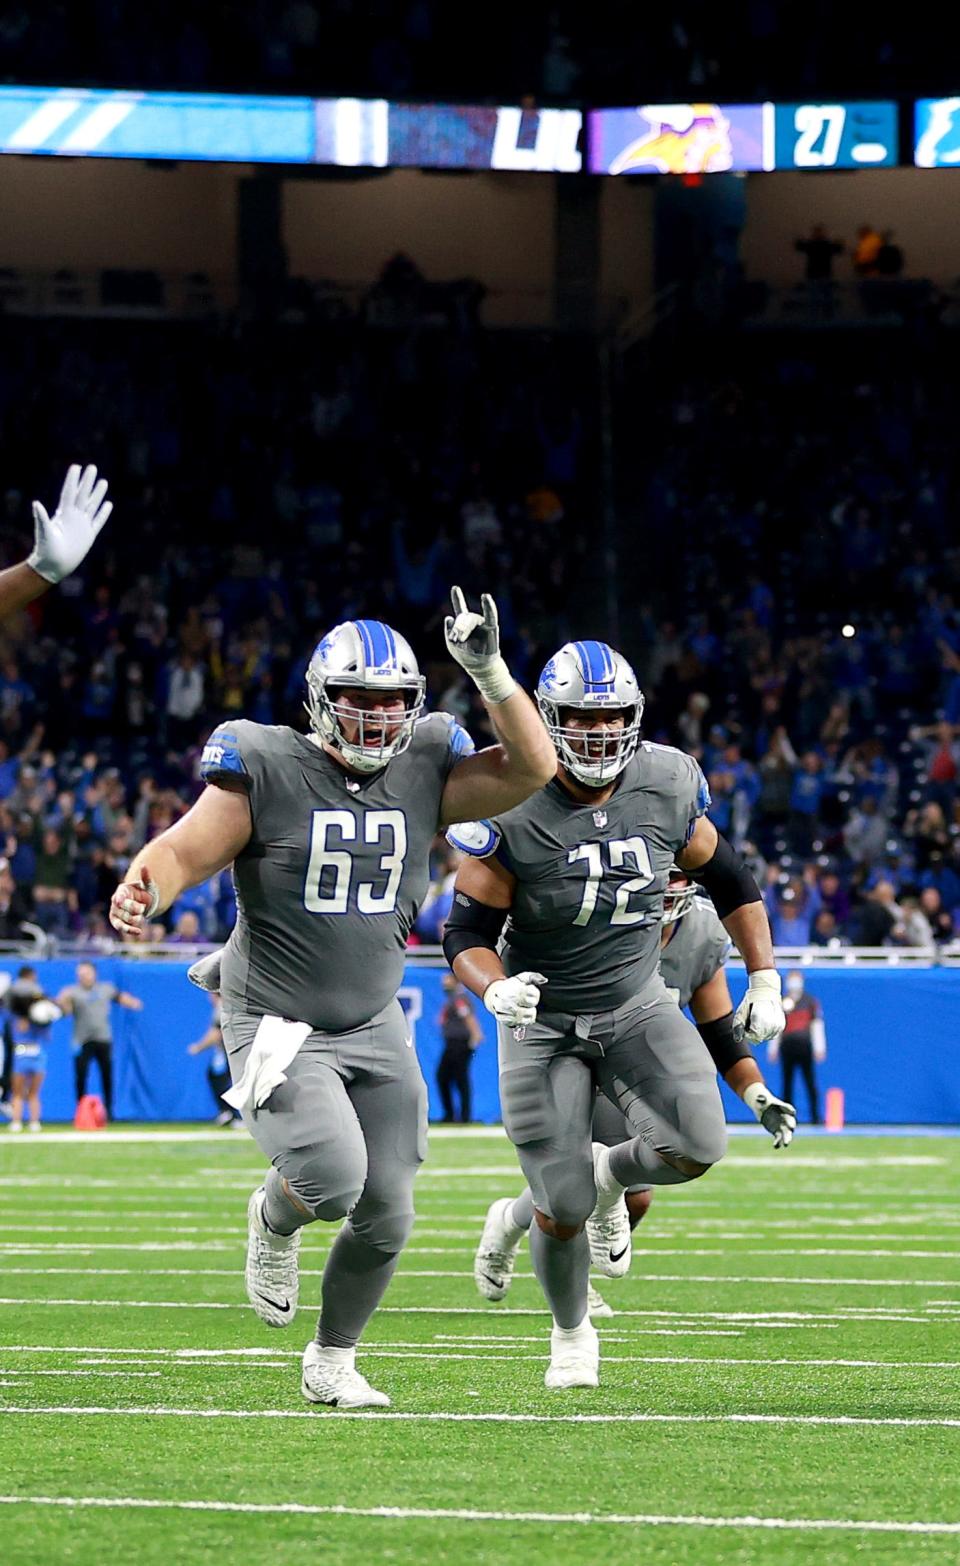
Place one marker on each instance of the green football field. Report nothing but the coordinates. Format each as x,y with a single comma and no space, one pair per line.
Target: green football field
780,1382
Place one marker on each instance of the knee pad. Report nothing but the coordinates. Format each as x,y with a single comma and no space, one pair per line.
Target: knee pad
570,1192
702,1138
386,1228
328,1190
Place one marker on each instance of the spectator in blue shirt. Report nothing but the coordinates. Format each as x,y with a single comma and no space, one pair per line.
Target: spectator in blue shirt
805,797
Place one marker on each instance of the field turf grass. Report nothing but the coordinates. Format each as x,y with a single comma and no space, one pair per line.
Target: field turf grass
780,1383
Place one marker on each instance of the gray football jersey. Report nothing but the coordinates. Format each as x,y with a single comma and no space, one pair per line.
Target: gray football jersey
334,873
590,879
698,947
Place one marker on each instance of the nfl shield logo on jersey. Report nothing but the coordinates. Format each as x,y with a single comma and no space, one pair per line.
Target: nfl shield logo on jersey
600,818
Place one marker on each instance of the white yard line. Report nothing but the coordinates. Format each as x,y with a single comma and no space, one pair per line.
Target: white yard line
20,1370
510,1171
162,1411
441,1344
781,1319
462,1514
642,1276
650,1248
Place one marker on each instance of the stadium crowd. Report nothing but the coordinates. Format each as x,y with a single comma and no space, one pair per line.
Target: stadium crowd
263,496
552,49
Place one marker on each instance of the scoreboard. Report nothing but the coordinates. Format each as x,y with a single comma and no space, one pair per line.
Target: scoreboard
835,135
712,138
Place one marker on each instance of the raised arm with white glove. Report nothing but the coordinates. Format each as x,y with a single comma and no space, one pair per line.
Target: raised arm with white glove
60,541
473,641
63,540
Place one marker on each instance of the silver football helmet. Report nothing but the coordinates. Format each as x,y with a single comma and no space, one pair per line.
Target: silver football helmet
679,896
365,655
591,677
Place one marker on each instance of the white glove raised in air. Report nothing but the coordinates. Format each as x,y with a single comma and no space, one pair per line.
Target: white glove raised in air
514,1001
473,641
62,541
774,1114
760,1014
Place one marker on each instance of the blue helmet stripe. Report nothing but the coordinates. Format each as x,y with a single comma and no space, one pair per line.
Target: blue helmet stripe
391,641
380,643
597,663
376,647
365,640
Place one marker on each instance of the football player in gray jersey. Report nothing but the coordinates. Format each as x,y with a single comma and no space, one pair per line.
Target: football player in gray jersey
693,949
329,835
575,888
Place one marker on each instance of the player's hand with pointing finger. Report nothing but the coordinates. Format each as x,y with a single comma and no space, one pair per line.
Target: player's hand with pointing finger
473,641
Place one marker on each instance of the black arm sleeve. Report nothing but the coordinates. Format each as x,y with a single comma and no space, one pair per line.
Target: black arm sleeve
471,924
729,883
718,1037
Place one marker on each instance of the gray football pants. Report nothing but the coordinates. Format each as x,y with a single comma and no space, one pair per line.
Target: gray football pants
649,1060
347,1130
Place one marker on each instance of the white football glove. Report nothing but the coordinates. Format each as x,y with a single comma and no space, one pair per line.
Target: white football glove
514,1001
473,640
62,541
760,1014
774,1114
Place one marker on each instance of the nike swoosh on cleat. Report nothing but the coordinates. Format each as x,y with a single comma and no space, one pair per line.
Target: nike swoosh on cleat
495,1283
275,1303
620,1254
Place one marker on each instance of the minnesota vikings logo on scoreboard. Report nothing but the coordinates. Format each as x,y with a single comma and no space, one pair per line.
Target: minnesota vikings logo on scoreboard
714,138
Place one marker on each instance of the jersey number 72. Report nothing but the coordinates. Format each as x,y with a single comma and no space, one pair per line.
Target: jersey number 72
619,850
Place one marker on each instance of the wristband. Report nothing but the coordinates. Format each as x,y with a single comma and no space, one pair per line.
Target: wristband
494,681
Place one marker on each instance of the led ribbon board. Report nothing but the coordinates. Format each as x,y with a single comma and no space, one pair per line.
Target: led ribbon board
208,127
936,125
835,135
349,132
717,138
365,133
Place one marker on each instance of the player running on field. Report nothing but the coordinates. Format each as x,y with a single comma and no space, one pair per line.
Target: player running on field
329,835
576,887
693,949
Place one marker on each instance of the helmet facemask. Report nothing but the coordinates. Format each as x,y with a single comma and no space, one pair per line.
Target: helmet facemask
363,753
593,756
678,898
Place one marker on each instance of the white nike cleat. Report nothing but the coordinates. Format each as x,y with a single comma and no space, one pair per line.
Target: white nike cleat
272,1273
330,1376
497,1251
597,1307
574,1357
35,1127
608,1227
15,1127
